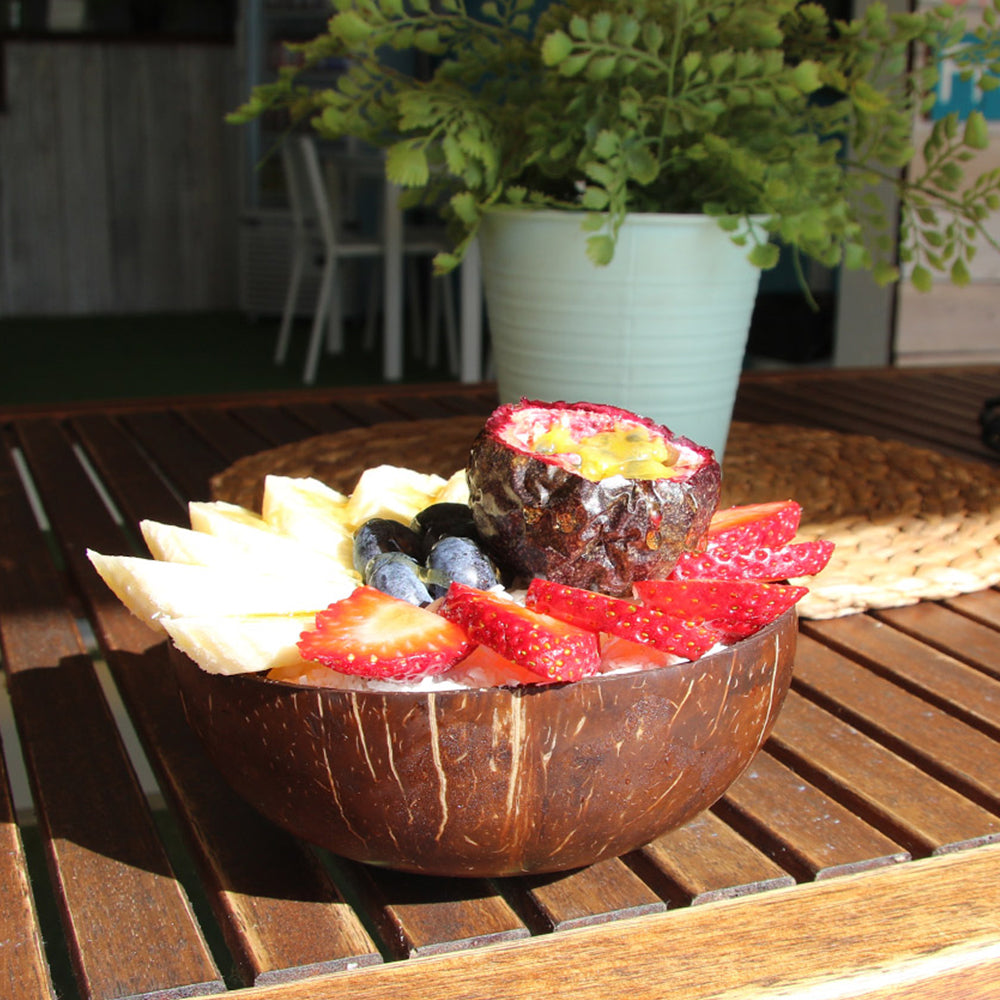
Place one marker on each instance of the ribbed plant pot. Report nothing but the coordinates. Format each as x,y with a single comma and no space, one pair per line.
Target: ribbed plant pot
661,330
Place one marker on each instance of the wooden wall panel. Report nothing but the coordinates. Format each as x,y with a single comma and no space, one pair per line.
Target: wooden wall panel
118,178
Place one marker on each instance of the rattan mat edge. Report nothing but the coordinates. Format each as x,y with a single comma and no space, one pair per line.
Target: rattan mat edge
908,523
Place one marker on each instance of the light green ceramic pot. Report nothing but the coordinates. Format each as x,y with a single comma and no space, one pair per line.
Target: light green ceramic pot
661,330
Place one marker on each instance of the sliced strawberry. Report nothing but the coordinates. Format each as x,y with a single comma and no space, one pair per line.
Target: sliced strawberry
371,634
752,525
627,619
546,646
624,654
485,667
723,562
737,608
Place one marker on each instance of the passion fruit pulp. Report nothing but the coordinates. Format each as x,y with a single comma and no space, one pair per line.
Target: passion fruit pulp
587,494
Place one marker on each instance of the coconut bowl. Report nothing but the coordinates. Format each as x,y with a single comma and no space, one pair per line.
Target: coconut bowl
494,781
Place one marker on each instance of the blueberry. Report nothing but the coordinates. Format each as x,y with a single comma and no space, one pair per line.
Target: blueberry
459,559
441,519
397,575
381,534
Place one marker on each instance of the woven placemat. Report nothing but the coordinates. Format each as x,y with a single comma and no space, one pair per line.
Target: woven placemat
908,523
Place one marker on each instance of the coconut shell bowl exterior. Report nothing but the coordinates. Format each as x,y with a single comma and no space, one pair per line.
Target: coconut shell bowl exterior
494,781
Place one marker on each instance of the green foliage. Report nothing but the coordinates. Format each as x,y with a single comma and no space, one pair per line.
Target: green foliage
736,108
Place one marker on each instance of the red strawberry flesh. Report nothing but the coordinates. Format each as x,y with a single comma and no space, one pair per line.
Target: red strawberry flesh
753,525
764,563
371,634
623,618
737,608
544,645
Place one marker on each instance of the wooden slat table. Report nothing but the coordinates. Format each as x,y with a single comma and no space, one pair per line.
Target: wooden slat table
857,856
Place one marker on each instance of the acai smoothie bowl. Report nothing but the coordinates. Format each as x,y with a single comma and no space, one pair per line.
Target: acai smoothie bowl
551,658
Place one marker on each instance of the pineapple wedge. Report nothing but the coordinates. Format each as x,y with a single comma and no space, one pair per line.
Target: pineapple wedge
455,490
241,644
310,512
173,543
255,536
153,590
392,492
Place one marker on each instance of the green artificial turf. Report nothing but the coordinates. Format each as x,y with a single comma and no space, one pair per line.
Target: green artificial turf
51,360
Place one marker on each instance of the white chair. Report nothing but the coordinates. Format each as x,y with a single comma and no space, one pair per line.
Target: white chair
314,200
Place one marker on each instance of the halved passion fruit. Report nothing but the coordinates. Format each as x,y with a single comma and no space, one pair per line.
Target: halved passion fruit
587,494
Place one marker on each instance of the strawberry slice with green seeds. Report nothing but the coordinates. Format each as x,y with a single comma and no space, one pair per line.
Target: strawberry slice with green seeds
547,646
752,525
623,618
371,634
737,608
763,563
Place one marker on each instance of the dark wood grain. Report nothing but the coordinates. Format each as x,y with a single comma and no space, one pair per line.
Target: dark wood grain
928,736
792,820
278,910
707,860
606,891
24,970
922,666
918,812
888,744
982,606
418,915
961,638
119,460
110,878
188,460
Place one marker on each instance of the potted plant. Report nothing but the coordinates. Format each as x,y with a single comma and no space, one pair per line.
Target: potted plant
749,124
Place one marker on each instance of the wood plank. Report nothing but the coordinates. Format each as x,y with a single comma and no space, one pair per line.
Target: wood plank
961,638
369,410
795,405
418,915
918,666
187,459
321,417
899,931
707,860
422,408
29,195
909,726
280,914
898,408
110,877
228,436
117,459
24,970
609,890
80,134
982,606
805,831
924,815
276,425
